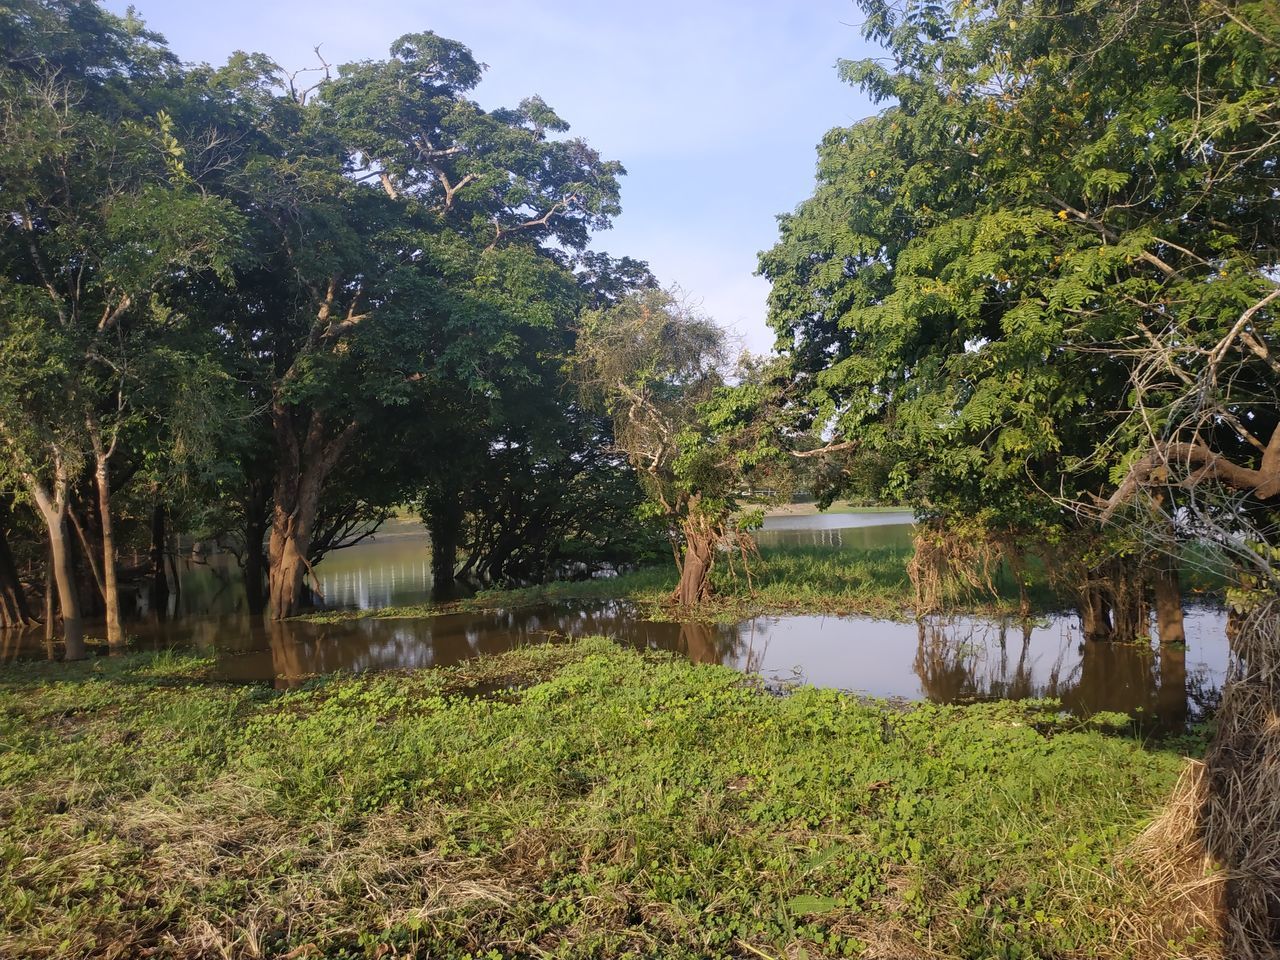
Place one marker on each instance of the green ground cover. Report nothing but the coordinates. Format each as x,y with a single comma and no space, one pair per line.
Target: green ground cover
559,801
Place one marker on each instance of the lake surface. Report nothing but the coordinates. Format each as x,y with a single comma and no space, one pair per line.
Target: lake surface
948,660
838,530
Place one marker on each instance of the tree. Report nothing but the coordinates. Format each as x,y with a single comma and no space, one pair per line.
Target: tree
398,252
1043,280
14,609
555,499
946,293
657,367
100,218
521,479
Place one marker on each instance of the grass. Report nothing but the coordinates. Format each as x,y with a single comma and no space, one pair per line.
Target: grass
848,581
560,801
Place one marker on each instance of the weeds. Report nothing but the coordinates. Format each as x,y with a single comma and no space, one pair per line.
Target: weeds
621,805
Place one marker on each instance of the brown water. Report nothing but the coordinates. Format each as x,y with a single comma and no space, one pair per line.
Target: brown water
945,660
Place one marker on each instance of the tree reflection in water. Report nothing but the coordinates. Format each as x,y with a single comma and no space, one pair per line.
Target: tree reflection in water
960,661
949,660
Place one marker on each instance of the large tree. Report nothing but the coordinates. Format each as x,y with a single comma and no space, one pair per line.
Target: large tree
1043,281
400,250
660,370
953,294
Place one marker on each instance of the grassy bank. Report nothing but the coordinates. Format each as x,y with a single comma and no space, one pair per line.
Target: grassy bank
781,580
621,805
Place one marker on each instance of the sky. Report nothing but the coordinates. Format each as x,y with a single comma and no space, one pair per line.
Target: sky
715,108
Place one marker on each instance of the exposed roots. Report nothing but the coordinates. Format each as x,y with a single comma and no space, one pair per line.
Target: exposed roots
948,563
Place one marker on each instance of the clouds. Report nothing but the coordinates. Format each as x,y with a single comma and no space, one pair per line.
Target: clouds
714,107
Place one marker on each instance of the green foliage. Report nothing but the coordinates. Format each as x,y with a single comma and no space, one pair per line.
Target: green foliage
101,222
696,442
621,802
985,265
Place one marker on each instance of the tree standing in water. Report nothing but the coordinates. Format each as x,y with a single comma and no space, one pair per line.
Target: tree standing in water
101,219
659,369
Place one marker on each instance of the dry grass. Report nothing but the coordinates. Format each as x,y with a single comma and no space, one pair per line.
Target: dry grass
1242,809
1185,891
1211,860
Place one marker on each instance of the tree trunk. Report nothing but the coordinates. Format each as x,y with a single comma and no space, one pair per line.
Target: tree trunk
1168,597
303,466
14,611
293,516
695,568
49,590
1240,817
1095,618
284,577
255,596
444,524
1131,610
159,581
255,535
110,584
64,577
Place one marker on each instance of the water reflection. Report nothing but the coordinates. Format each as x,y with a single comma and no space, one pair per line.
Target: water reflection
947,660
969,661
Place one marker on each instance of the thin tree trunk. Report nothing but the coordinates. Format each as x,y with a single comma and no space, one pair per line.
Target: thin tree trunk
1168,596
1095,619
49,589
110,583
51,504
90,562
64,577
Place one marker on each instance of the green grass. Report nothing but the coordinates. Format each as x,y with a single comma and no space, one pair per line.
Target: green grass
560,801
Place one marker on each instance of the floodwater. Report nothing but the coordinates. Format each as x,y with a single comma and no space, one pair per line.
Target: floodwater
863,531
948,660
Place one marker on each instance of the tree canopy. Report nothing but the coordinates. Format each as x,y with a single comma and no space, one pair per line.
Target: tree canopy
984,265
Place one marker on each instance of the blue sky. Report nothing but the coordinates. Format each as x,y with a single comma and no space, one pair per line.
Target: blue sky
714,107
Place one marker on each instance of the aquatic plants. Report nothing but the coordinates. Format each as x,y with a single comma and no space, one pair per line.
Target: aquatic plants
620,805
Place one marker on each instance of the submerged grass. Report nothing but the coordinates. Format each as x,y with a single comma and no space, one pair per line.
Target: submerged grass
623,805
